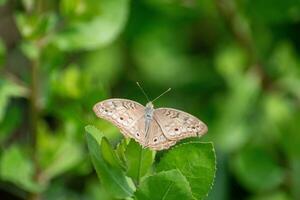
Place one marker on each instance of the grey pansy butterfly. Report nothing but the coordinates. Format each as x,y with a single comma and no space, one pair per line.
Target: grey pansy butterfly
157,129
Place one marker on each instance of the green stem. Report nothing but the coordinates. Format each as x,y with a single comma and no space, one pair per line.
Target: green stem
167,191
34,120
139,168
34,108
33,102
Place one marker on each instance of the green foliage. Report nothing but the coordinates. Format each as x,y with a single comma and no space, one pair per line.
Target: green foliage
96,24
57,154
109,155
16,167
176,176
232,63
112,177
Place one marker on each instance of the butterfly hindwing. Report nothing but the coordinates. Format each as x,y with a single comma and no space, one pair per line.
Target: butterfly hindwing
156,139
177,124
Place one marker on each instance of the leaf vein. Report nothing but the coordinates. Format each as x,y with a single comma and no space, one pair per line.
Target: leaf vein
167,191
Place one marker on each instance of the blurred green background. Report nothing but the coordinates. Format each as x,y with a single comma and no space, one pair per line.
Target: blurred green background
235,64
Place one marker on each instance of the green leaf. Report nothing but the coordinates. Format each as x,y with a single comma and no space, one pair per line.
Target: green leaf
277,108
93,191
9,89
109,155
10,122
139,160
17,168
120,151
113,179
74,10
69,7
35,26
67,156
67,83
30,49
196,161
257,170
97,135
96,31
166,185
57,153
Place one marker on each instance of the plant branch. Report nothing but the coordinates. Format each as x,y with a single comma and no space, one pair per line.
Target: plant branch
34,119
33,102
139,169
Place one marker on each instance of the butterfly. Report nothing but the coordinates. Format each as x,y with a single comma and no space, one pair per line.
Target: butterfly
156,129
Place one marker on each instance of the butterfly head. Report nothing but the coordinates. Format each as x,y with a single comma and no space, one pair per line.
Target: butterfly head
150,105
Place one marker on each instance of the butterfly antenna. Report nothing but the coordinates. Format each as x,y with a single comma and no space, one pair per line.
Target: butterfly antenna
168,90
143,91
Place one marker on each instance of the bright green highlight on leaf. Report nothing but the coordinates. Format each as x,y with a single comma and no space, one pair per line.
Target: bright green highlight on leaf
110,155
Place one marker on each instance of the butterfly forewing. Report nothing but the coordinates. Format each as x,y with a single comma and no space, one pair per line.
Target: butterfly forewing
123,113
177,124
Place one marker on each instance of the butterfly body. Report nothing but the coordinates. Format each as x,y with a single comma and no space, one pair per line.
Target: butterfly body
149,109
154,128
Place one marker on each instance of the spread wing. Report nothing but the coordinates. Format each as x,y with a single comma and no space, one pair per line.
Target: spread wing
123,113
177,125
167,127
